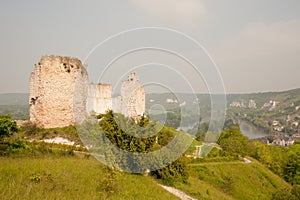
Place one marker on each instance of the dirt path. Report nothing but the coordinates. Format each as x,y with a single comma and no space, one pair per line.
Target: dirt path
177,193
245,161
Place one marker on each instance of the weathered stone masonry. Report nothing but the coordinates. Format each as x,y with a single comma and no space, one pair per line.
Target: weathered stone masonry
131,103
99,98
132,96
52,88
60,94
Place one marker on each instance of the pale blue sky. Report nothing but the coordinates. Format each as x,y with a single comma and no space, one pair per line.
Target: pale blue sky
255,43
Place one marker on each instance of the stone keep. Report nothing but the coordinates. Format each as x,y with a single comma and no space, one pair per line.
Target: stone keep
61,96
58,92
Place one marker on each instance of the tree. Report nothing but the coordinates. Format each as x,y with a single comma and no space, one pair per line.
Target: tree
263,153
128,135
144,121
233,141
292,168
173,119
228,123
202,130
176,171
7,126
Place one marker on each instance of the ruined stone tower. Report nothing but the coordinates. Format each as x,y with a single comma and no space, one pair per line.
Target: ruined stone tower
99,98
132,96
131,103
58,92
61,96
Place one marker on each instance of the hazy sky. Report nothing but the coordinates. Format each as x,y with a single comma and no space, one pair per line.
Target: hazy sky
255,43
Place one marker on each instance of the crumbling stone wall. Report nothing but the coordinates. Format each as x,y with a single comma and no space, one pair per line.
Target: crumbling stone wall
132,96
58,92
131,103
60,95
99,98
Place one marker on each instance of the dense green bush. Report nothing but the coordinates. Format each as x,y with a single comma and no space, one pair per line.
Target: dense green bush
108,183
19,146
7,126
234,142
177,171
284,161
117,132
116,128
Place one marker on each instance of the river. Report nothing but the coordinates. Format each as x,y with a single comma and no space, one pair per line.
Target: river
250,130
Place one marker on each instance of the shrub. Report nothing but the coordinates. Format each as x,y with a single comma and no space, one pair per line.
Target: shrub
108,182
234,142
29,128
7,126
19,146
35,177
177,171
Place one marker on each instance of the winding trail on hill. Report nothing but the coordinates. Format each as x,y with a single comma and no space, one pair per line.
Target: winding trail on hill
177,193
245,161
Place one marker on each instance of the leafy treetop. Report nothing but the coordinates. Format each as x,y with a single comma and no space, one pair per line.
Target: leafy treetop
7,126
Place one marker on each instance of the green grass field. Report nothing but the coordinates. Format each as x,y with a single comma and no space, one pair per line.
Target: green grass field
82,177
54,177
38,170
231,180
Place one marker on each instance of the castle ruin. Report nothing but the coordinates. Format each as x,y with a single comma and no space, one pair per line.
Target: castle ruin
52,88
99,98
131,103
132,97
60,94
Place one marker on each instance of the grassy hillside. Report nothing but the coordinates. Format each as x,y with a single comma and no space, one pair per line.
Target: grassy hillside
261,98
286,110
77,177
37,170
51,175
72,178
231,180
